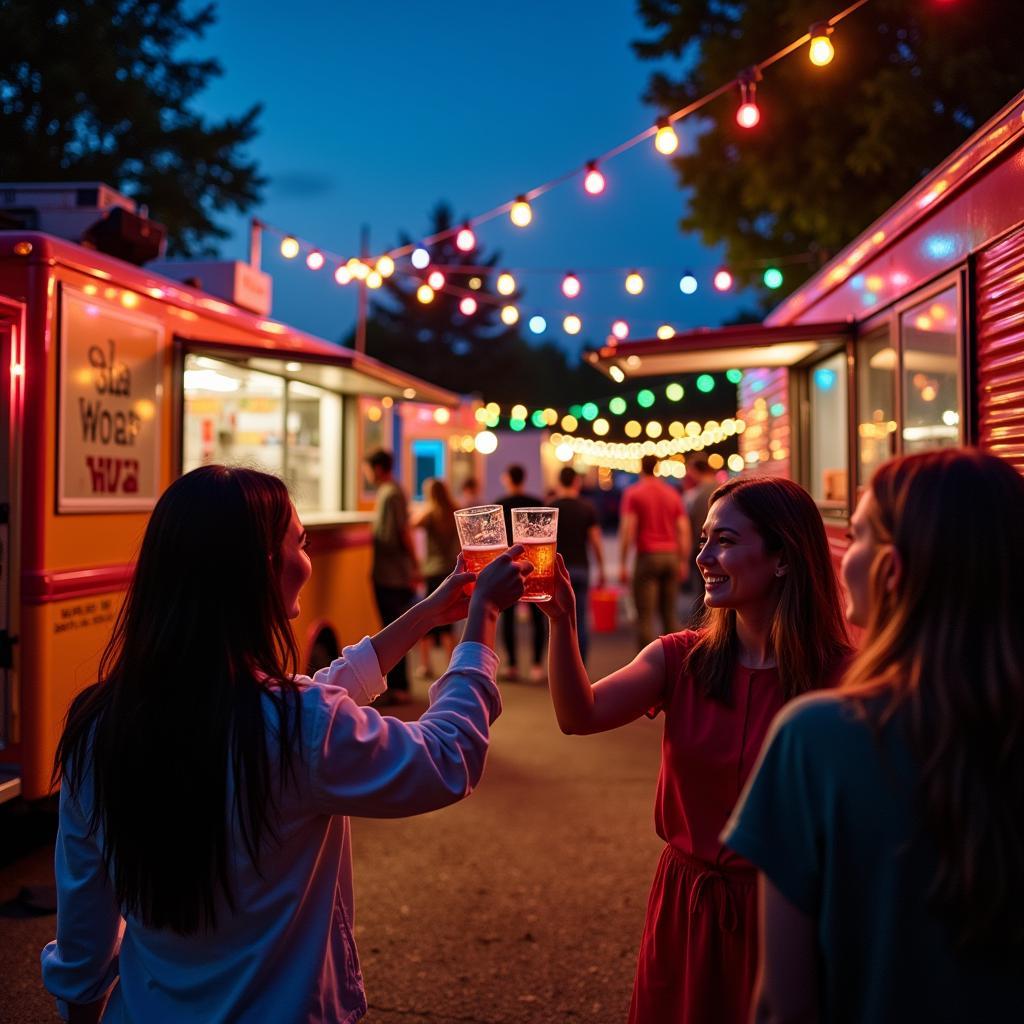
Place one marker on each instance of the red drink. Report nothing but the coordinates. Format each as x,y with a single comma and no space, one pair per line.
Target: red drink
540,584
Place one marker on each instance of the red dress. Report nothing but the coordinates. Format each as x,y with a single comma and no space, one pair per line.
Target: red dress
698,954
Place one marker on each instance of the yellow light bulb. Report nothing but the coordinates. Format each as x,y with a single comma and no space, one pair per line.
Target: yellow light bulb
521,212
289,248
518,412
601,426
373,279
425,294
385,266
634,283
572,324
821,51
666,331
569,423
665,139
509,315
506,284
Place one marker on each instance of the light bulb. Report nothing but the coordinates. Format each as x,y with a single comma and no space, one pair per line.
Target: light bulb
723,280
572,324
315,260
593,180
772,278
571,286
821,51
634,283
289,247
620,329
436,280
666,331
538,324
373,279
467,307
748,114
688,283
420,258
465,240
665,139
425,294
359,269
506,284
343,275
385,266
509,315
521,213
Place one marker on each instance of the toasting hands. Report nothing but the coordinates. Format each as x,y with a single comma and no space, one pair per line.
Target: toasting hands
563,601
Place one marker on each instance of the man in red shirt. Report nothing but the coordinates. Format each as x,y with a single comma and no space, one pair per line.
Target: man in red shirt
654,519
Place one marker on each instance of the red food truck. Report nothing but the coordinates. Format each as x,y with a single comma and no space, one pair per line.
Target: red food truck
115,379
911,338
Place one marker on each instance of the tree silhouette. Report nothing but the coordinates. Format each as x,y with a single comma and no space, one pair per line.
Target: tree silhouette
90,90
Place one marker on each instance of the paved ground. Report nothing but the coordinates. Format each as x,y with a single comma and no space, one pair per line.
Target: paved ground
522,904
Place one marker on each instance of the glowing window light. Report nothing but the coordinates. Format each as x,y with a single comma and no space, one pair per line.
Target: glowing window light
735,463
538,324
442,415
665,332
620,329
509,315
688,283
468,306
518,412
723,280
634,283
929,393
705,383
937,311
593,180
645,398
666,141
436,280
506,284
951,418
601,426
485,442
465,240
777,409
569,423
521,213
923,322
633,428
772,278
821,51
674,392
824,378
538,419
385,266
420,258
315,259
373,279
734,376
748,114
572,324
343,275
516,424
616,374
571,286
289,247
425,294
373,414
617,405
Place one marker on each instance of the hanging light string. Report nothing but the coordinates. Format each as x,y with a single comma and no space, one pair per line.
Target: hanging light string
745,80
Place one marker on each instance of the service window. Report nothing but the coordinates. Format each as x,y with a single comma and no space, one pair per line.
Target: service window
427,463
313,447
828,433
876,401
929,334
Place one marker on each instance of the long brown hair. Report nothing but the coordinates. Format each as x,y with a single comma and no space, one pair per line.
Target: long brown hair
441,508
808,631
946,644
178,710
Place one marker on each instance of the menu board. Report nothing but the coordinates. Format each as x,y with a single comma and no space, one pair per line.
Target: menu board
108,438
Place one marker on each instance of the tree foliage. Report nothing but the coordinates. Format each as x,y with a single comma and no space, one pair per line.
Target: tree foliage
838,145
468,354
91,90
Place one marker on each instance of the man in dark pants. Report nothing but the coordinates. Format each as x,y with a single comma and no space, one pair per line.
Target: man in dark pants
513,480
395,569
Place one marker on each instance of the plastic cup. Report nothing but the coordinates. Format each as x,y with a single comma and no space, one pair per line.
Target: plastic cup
537,530
481,534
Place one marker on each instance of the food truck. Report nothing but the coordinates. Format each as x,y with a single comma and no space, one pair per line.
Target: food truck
115,379
910,338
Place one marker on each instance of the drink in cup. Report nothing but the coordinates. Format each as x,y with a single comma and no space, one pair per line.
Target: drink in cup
481,535
536,529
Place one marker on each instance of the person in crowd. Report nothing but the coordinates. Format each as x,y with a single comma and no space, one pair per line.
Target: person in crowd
469,493
514,482
437,520
654,521
773,628
578,533
396,572
205,786
887,818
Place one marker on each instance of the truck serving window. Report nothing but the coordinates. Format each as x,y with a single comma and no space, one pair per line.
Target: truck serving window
827,435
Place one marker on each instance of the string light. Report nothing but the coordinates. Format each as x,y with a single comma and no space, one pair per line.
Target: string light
538,324
373,279
569,422
521,213
593,180
385,266
425,294
467,307
688,283
748,114
420,258
509,315
616,374
589,410
821,51
645,398
674,392
436,280
666,141
572,324
571,286
289,247
634,283
772,278
665,332
315,260
475,283
734,376
617,405
601,426
343,275
705,383
723,280
465,240
506,284
620,329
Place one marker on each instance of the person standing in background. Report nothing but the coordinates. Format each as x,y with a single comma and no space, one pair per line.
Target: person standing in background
513,480
578,531
437,520
654,520
469,493
396,572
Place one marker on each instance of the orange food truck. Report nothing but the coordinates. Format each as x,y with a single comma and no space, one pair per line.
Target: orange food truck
911,338
115,379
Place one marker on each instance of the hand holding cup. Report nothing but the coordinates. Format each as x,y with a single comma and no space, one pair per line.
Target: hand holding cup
502,582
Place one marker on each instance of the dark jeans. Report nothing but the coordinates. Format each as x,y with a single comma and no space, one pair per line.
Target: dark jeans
393,602
579,576
655,588
508,632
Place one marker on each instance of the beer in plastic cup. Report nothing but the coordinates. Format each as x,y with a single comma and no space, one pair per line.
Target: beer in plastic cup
481,535
537,529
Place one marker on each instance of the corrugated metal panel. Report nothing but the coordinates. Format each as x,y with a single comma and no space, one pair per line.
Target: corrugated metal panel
1000,371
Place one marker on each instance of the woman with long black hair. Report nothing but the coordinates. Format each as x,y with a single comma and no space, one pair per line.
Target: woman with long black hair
887,817
205,784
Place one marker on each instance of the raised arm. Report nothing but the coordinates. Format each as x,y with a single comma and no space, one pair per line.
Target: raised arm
619,698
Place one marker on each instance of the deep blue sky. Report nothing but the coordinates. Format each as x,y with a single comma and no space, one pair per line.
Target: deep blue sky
375,111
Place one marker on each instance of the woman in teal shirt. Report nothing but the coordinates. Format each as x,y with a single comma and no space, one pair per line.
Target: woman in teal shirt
887,819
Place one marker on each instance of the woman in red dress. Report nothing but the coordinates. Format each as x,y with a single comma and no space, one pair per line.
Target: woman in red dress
772,628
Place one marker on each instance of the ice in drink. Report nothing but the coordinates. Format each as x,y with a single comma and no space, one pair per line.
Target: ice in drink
540,584
479,556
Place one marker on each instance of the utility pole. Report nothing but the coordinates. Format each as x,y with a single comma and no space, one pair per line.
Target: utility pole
364,251
255,242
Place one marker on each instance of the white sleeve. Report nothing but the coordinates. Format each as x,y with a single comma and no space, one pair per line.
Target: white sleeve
372,766
357,671
80,965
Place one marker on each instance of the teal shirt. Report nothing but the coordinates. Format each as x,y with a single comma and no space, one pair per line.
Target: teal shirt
829,817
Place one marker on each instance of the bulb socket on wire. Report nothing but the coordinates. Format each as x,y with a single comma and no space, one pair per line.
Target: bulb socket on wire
820,51
748,114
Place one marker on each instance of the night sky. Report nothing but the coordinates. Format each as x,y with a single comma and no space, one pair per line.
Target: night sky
374,112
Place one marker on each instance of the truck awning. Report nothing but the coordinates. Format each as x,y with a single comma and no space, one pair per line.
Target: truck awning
719,348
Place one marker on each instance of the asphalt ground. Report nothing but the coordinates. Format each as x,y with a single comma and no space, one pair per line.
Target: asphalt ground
523,903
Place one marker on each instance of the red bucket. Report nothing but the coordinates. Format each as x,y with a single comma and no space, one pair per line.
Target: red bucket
604,607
